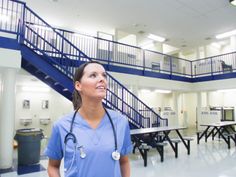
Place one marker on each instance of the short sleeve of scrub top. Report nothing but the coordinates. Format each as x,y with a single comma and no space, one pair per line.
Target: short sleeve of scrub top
54,147
98,145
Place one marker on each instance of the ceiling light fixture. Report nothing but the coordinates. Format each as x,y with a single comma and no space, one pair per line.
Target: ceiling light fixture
233,2
162,91
227,34
156,38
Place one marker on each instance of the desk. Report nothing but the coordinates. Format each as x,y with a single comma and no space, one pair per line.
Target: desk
152,133
218,128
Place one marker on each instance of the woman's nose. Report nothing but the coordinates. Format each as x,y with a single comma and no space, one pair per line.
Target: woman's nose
102,78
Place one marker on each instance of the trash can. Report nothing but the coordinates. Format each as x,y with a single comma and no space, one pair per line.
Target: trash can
28,145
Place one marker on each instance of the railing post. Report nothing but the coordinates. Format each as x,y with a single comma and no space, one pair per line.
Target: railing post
108,58
211,68
122,100
170,65
22,26
62,43
143,60
191,64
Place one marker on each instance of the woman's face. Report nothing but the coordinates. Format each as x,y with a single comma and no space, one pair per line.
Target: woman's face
93,83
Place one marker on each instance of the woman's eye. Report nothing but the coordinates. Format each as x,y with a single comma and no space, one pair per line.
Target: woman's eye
93,75
105,76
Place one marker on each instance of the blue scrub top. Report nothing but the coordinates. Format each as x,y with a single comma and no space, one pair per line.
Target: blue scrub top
98,144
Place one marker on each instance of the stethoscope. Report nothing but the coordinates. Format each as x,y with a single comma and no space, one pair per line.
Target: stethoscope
71,136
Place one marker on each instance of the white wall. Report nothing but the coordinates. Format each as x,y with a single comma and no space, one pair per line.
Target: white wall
58,106
0,88
152,98
153,83
10,58
189,106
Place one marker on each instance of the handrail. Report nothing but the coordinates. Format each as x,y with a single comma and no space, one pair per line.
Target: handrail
132,56
39,40
126,55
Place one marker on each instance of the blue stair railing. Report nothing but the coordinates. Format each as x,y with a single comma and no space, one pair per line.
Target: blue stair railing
36,34
112,53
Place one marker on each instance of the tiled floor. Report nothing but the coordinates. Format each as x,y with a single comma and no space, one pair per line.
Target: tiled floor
211,159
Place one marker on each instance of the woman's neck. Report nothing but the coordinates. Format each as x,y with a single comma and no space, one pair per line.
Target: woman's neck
92,113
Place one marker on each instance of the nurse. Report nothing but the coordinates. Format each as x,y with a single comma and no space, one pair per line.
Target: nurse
93,141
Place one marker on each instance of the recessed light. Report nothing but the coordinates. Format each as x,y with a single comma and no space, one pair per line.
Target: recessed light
208,38
141,32
156,38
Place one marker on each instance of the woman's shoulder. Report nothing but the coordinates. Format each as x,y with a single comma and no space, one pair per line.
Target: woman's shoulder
117,116
63,119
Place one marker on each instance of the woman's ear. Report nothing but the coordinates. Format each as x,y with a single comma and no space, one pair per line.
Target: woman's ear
78,86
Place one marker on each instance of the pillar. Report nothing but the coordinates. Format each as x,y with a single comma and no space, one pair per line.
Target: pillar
207,99
7,117
199,105
175,106
233,43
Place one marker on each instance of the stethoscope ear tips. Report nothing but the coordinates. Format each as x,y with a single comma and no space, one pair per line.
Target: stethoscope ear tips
115,155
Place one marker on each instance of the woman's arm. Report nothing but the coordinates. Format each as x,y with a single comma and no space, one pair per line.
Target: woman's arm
54,168
124,166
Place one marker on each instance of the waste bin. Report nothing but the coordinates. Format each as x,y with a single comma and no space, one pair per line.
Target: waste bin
28,145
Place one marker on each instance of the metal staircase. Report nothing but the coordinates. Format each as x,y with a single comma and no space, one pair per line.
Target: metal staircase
57,70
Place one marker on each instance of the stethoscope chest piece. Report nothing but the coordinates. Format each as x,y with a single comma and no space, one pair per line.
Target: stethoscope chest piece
115,155
82,153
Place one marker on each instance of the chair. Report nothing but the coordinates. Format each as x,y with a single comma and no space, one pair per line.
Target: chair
225,67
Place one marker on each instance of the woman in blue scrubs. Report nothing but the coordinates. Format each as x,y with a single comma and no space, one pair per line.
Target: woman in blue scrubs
100,140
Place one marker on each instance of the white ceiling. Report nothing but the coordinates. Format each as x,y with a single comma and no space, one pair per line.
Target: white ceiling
182,22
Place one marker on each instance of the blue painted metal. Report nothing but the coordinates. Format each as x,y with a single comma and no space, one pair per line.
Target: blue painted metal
9,43
44,78
46,66
45,56
214,77
62,34
30,49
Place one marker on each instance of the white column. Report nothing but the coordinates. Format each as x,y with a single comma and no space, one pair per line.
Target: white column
233,43
175,106
7,117
158,46
199,105
207,99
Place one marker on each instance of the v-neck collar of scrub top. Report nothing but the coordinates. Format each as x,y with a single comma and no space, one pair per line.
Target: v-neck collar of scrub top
80,121
93,134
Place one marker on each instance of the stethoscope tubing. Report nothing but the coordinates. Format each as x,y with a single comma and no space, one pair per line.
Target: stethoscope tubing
72,136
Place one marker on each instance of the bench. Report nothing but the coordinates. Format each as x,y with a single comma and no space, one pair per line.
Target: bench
160,149
176,142
230,135
144,148
199,135
188,139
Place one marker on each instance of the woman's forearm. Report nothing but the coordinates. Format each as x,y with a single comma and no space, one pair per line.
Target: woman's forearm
125,166
54,168
53,172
